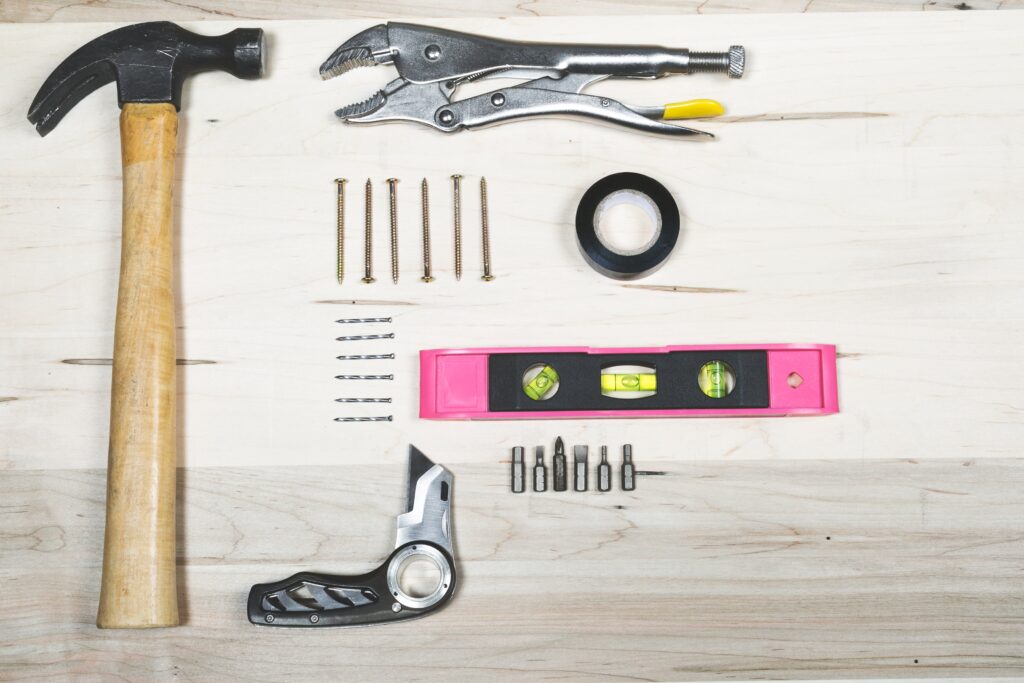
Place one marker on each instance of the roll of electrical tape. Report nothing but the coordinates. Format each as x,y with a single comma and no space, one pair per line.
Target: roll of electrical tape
627,188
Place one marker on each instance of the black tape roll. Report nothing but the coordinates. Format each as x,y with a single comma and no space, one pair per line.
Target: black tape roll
627,265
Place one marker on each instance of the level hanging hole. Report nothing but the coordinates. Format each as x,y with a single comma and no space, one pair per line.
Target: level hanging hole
540,382
716,379
794,380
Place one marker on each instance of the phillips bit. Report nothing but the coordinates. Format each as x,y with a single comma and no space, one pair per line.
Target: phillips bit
579,457
540,472
518,470
559,466
628,471
604,472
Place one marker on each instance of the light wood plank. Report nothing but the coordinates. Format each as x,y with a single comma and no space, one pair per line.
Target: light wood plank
884,219
147,10
709,572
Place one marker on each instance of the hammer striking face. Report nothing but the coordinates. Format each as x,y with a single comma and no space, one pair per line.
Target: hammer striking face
149,62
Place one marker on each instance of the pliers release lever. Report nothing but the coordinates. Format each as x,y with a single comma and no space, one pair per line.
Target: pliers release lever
433,62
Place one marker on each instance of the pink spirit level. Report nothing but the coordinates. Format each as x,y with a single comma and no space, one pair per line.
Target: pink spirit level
672,381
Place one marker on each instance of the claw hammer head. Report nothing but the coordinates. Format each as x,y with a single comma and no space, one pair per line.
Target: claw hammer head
149,62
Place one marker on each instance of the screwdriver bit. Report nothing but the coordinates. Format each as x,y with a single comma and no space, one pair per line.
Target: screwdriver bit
540,472
558,464
518,470
628,471
604,472
579,456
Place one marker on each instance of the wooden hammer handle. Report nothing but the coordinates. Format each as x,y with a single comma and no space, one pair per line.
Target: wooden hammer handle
138,589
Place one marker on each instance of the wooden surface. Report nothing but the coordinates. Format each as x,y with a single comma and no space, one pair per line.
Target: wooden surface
864,190
155,10
138,589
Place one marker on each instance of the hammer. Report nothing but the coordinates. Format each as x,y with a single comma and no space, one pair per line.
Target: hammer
149,62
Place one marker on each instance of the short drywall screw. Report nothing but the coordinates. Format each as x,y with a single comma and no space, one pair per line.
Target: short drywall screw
425,205
485,231
362,337
346,321
364,377
381,418
367,356
368,235
457,218
393,210
363,400
340,182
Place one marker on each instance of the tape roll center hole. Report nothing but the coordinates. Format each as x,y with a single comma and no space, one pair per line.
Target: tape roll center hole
419,576
627,222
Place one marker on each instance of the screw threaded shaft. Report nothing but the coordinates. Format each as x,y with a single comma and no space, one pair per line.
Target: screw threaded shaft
393,211
425,205
368,235
732,62
340,182
457,208
485,232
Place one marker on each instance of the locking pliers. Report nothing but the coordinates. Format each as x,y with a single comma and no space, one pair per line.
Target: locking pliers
433,62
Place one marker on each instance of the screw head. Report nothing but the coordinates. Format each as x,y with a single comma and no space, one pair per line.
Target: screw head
446,116
432,52
487,278
456,176
340,181
368,280
392,181
396,607
498,99
314,618
427,278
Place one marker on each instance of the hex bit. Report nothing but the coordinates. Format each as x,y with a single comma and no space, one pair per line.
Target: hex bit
540,472
579,456
518,470
628,470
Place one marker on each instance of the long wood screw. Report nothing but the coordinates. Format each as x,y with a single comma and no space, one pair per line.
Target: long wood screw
340,182
393,206
425,205
368,235
485,231
457,218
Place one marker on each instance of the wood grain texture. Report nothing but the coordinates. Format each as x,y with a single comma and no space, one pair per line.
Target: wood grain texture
174,10
850,200
864,190
708,571
138,589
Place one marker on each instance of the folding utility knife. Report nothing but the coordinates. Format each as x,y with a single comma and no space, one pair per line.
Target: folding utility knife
424,534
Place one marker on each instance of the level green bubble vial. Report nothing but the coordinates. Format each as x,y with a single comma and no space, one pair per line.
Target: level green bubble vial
716,379
543,385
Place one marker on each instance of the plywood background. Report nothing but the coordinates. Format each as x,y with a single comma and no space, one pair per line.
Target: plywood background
864,191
